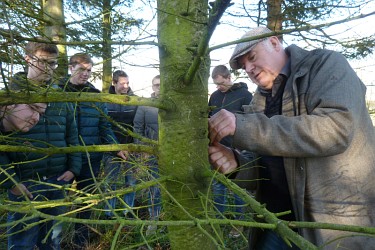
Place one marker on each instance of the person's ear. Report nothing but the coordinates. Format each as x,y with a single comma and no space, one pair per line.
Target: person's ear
275,42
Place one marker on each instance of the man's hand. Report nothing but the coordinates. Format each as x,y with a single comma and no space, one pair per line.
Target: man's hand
222,158
67,176
222,124
123,154
145,156
20,189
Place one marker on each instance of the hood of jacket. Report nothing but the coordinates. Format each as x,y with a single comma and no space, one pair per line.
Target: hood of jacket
238,85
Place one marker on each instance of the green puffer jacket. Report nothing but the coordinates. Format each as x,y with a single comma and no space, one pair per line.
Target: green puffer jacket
327,141
56,128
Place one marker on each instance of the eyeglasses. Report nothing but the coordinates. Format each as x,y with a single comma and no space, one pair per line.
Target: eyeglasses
52,64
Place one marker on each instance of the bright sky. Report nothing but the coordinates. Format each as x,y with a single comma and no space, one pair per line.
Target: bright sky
138,63
140,77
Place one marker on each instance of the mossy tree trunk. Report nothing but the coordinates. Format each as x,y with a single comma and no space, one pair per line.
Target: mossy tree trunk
274,16
107,49
183,141
53,13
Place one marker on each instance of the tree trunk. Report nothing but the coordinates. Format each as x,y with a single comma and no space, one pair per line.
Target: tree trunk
274,16
183,141
107,52
53,13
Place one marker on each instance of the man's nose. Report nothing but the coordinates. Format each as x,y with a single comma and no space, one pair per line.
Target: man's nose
49,70
35,117
249,67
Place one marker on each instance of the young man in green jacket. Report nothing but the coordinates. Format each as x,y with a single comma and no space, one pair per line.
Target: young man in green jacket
34,176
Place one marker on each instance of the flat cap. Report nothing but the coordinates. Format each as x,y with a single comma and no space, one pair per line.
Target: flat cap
245,47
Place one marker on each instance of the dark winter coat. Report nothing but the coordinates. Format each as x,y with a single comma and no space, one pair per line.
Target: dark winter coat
57,127
124,116
93,126
231,100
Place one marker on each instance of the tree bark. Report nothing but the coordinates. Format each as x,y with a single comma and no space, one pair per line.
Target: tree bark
183,130
274,16
53,13
107,50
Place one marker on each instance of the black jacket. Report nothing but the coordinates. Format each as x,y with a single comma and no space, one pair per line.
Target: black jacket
124,116
232,100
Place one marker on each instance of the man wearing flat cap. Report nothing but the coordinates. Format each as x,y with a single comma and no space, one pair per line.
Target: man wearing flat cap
309,124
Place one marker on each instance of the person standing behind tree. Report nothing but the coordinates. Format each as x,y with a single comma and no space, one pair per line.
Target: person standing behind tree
146,125
114,168
35,175
93,129
229,96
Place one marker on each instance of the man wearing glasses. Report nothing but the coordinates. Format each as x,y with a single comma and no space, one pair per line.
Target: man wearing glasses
37,177
41,59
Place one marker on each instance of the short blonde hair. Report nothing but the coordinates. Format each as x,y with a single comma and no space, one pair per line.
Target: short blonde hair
80,58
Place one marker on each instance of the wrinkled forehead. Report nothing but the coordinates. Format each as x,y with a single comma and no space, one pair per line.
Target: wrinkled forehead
38,107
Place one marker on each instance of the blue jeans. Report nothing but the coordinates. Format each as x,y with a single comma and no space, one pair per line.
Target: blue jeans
27,239
118,172
220,192
272,241
86,183
154,195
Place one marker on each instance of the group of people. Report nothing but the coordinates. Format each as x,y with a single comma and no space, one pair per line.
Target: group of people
34,176
306,132
143,121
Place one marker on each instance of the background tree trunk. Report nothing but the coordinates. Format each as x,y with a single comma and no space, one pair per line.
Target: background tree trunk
274,16
107,50
53,13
